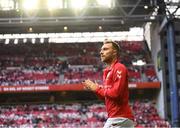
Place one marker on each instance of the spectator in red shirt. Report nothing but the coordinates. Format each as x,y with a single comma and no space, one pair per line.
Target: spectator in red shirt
115,87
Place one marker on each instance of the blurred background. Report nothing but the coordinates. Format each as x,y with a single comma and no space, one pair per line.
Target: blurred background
48,47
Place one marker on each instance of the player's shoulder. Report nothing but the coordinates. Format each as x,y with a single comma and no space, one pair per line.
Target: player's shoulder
120,66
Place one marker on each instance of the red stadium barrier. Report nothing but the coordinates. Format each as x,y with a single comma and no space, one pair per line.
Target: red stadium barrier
67,87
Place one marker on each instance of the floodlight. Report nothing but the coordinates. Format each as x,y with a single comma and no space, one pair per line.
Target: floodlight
106,3
78,4
7,41
145,7
7,4
33,40
30,4
65,28
30,29
16,41
54,4
42,40
100,28
24,40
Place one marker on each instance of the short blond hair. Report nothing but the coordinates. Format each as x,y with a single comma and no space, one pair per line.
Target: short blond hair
114,44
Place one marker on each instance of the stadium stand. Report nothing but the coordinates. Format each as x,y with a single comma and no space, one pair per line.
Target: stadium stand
81,115
36,64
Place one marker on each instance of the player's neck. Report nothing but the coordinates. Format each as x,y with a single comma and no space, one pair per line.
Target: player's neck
112,62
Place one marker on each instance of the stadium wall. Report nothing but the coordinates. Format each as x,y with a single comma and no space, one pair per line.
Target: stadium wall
156,57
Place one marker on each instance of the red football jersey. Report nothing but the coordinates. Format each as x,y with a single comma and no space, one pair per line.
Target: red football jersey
115,91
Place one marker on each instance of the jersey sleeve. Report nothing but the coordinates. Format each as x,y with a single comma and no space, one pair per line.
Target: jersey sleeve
119,83
99,92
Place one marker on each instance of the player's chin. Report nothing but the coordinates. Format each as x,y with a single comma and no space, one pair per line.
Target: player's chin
102,59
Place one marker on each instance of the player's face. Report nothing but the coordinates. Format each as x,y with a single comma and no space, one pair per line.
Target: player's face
107,53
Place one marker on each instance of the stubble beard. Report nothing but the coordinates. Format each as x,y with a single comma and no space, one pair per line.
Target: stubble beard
106,60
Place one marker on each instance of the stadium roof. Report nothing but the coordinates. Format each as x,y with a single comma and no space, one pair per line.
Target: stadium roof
122,15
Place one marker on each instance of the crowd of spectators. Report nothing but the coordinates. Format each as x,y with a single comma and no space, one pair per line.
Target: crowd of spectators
54,115
71,74
38,64
79,115
146,115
